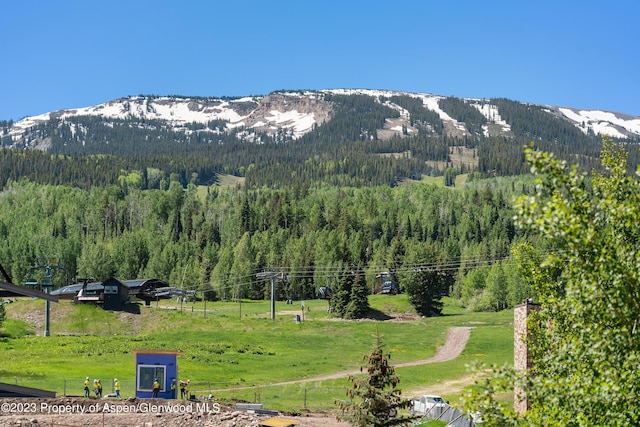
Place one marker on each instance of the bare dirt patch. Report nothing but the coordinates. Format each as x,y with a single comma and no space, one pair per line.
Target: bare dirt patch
446,387
76,412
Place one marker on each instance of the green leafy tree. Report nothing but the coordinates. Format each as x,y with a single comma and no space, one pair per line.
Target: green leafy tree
95,262
375,399
496,290
425,289
221,275
243,270
425,286
585,342
130,255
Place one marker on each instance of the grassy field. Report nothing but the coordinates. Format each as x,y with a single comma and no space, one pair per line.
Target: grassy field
237,351
230,180
438,181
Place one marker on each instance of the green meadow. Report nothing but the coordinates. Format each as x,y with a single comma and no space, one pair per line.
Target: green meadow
237,351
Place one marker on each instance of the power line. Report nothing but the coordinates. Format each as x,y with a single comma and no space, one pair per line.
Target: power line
341,271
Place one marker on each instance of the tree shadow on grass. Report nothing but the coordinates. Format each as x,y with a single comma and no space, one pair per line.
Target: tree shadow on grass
374,314
133,308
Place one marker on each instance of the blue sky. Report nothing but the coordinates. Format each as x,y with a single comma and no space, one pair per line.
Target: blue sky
66,53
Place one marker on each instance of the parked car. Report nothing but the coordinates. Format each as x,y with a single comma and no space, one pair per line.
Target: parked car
430,405
386,283
390,288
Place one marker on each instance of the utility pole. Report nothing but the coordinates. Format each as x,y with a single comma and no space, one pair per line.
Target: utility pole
48,285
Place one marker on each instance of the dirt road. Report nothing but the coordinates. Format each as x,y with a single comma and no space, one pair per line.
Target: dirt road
452,348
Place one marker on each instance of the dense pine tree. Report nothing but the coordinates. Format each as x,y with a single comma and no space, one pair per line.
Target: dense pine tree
358,304
375,399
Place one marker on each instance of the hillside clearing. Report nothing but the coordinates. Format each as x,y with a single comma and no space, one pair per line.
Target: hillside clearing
240,353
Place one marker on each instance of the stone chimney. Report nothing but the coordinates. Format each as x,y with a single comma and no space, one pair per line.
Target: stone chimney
521,360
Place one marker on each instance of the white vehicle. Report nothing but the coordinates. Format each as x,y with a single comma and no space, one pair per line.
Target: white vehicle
429,405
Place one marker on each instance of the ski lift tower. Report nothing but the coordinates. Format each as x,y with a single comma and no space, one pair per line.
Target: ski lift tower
53,264
275,277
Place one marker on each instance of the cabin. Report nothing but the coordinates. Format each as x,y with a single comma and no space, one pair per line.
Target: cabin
115,294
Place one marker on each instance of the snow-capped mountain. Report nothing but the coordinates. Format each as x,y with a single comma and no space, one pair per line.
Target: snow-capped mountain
295,113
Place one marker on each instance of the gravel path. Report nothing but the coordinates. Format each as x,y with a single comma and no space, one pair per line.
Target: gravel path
452,348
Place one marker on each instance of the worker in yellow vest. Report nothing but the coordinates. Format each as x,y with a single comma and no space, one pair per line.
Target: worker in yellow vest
116,387
86,387
183,388
156,388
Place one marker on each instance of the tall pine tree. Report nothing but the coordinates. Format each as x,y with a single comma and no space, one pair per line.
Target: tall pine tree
358,305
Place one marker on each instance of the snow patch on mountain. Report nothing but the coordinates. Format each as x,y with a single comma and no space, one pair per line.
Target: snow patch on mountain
491,113
431,102
299,122
603,122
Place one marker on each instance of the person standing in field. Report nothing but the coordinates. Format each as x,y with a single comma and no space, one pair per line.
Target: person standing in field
173,388
116,387
183,388
156,388
86,387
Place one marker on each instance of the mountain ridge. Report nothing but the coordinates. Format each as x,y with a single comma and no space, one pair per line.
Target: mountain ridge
292,114
346,137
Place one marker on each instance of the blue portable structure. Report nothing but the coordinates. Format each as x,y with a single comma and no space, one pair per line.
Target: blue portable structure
151,365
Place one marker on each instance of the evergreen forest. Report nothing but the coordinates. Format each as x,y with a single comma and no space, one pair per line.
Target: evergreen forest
217,241
333,208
